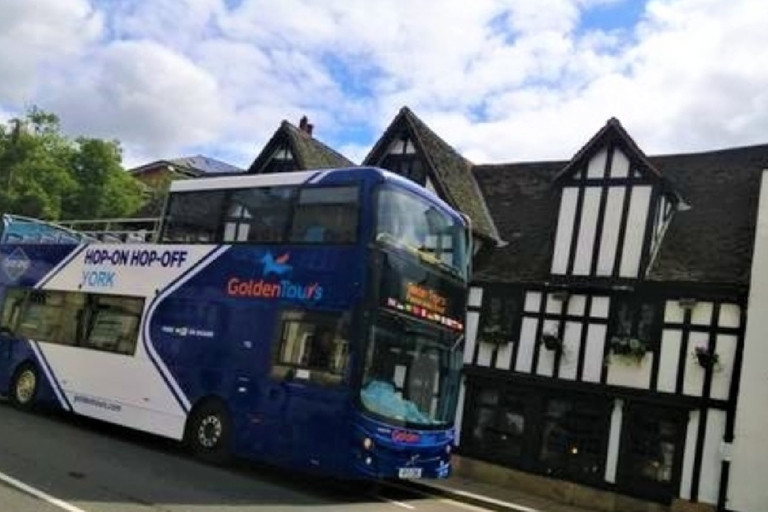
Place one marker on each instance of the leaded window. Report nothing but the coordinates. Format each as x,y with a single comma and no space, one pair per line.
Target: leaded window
500,316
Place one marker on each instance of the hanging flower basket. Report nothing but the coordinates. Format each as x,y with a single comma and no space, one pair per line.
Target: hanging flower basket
494,335
551,342
632,349
707,359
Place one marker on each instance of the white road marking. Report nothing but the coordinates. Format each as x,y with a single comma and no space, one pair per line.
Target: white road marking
477,497
28,489
398,503
461,504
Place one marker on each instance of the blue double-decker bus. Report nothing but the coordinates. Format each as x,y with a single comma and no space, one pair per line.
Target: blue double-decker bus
310,319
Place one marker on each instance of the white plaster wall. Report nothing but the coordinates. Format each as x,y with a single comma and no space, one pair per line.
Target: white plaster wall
525,352
721,376
504,356
620,165
614,441
623,372
748,491
577,305
668,364
564,230
569,360
593,355
633,238
702,314
532,302
473,317
475,296
460,410
693,381
711,466
586,244
689,454
611,225
546,363
596,167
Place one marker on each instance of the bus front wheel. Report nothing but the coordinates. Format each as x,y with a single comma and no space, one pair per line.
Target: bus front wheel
209,432
24,386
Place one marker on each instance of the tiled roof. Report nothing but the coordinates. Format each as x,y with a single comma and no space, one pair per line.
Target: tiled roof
711,243
205,164
194,165
524,204
452,171
309,152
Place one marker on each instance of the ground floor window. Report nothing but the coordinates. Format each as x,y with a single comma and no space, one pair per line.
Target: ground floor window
652,450
557,434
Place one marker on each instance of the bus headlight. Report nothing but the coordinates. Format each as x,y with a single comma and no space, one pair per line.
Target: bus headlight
448,449
367,443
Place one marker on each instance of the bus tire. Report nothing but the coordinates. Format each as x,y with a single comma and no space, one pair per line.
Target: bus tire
209,432
25,384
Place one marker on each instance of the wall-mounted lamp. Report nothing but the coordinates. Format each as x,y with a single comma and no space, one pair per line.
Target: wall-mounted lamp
687,303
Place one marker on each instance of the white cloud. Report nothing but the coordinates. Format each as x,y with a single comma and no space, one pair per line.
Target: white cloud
144,94
38,36
501,80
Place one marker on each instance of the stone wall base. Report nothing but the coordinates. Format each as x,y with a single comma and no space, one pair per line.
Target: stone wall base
569,493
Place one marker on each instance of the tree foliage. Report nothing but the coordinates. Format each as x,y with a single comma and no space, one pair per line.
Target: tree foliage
47,175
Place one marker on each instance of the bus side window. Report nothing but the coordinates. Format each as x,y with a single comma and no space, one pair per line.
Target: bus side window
311,346
257,214
193,217
12,307
114,323
326,215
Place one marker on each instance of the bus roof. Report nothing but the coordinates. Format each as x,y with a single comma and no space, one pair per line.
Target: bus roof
312,177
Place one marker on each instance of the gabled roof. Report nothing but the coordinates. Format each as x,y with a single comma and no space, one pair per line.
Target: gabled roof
309,152
614,133
710,243
451,172
197,165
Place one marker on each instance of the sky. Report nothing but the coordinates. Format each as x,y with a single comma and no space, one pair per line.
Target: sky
499,80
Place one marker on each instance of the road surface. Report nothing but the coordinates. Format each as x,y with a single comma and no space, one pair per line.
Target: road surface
54,462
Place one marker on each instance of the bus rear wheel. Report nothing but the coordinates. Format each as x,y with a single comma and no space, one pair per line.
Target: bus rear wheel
209,432
24,386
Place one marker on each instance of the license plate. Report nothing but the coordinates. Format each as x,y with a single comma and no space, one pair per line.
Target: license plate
409,472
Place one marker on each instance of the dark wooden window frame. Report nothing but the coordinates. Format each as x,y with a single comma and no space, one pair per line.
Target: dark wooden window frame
533,403
636,485
510,304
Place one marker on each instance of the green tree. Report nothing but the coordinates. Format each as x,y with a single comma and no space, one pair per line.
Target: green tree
47,175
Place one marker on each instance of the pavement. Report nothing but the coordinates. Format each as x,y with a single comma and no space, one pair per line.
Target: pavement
465,486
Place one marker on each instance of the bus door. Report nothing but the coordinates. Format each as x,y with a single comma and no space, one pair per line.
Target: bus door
309,389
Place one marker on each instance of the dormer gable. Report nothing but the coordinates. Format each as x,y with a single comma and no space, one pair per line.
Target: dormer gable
614,209
410,148
294,148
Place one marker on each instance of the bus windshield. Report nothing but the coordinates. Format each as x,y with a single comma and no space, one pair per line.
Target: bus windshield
407,220
411,374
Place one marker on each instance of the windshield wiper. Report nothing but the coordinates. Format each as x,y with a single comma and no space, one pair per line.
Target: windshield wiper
426,256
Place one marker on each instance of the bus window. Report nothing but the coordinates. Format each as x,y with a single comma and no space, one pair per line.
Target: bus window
406,220
311,346
114,323
12,307
193,217
326,215
257,214
42,315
